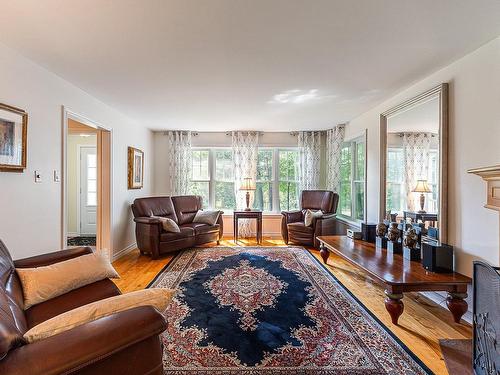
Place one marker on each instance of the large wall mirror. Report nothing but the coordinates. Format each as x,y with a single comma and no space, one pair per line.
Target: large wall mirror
414,147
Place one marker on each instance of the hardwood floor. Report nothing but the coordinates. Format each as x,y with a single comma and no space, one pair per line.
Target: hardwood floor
420,327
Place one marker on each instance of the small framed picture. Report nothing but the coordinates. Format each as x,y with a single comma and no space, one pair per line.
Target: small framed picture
135,168
13,138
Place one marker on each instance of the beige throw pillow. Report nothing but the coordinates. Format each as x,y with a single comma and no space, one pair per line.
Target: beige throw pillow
310,216
43,283
168,224
206,217
158,298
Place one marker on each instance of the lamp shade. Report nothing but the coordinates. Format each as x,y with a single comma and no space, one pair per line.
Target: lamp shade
422,187
247,184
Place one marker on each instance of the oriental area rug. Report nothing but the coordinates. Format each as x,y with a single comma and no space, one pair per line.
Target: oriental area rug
270,310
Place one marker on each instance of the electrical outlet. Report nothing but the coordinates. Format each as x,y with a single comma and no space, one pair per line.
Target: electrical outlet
56,176
38,177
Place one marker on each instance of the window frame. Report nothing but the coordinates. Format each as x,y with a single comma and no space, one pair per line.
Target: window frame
353,144
274,182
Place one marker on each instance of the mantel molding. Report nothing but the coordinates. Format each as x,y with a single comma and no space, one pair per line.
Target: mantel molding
492,177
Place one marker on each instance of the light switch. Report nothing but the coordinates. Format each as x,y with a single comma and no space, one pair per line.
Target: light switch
38,176
56,176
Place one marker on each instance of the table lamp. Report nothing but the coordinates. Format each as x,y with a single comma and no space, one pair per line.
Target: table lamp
247,185
422,187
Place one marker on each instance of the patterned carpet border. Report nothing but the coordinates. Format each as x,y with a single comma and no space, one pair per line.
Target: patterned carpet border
391,335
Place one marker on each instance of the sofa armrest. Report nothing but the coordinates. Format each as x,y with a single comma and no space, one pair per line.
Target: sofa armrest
51,258
147,220
324,226
86,344
292,216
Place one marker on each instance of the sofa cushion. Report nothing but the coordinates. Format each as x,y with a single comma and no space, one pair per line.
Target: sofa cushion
186,207
159,298
207,217
154,206
310,215
300,227
172,236
168,224
71,300
43,283
200,228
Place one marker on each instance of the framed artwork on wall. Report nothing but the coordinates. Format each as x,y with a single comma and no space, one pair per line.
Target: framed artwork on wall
13,138
135,168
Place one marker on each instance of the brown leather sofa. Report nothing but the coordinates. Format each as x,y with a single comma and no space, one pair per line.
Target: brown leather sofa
127,342
152,239
293,229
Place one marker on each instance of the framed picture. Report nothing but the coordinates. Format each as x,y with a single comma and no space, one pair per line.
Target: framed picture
13,138
135,168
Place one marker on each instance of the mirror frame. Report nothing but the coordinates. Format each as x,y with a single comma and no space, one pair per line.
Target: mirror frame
441,92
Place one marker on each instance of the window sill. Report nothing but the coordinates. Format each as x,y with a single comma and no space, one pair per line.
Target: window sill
351,222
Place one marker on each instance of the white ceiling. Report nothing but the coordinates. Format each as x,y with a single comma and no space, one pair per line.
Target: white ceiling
255,64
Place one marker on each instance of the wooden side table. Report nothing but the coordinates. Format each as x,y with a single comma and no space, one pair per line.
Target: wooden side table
253,214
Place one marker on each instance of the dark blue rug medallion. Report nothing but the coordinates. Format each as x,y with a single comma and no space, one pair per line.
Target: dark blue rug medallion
270,311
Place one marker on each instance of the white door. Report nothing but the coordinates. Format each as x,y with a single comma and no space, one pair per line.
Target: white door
88,191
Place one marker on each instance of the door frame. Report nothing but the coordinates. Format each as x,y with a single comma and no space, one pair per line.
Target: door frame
78,185
108,245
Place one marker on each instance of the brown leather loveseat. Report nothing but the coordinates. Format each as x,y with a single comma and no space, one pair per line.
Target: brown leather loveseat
152,239
127,342
293,229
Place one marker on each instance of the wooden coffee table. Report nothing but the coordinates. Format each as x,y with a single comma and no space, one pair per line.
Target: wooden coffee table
397,274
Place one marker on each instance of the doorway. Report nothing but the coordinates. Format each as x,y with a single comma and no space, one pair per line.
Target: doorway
86,183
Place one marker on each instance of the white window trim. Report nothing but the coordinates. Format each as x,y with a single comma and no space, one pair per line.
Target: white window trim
351,218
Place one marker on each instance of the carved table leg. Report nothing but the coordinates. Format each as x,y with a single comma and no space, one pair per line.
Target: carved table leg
457,305
323,251
394,306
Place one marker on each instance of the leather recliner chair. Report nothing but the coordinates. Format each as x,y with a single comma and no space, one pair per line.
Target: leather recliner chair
152,239
127,342
293,229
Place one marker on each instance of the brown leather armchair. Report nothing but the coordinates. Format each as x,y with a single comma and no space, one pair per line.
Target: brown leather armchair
293,229
152,239
127,342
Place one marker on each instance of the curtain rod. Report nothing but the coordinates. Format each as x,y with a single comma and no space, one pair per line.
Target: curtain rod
193,134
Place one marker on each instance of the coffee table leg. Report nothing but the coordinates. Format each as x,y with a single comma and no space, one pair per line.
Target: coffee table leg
323,251
394,306
457,305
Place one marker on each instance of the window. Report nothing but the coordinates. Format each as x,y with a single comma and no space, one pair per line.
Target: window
288,179
396,188
200,175
91,180
263,199
352,180
224,180
396,199
276,180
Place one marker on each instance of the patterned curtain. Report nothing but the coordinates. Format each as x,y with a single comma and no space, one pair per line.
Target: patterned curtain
334,140
416,162
179,143
245,149
309,143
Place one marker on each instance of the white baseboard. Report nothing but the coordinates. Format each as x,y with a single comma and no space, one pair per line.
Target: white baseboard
123,252
273,235
73,234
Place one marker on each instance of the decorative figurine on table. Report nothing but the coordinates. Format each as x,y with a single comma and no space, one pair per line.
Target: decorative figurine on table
394,235
381,240
410,250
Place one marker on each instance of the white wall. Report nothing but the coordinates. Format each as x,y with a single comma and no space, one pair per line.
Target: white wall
30,219
271,223
474,132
